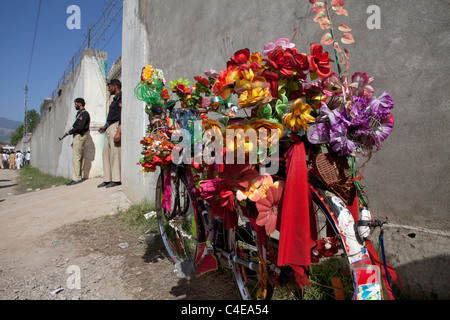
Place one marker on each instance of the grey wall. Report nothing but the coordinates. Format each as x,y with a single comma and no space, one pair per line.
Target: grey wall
54,157
407,180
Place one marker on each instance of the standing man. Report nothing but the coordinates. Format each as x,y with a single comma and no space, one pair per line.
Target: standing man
79,131
112,148
12,161
19,159
27,158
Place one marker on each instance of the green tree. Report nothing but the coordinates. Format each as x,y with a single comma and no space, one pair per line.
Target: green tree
16,135
32,122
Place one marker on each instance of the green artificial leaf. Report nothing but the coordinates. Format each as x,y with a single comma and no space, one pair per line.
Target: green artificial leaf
281,105
266,111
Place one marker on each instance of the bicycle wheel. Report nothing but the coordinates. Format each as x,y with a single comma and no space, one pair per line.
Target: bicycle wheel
248,271
178,224
336,249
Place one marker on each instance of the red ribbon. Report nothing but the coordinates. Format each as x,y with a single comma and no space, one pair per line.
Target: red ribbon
297,222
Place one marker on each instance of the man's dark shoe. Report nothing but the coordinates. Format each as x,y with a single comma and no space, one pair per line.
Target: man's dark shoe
73,182
113,184
103,184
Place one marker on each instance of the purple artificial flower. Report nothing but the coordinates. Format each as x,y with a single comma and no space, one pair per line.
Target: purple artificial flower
382,105
384,129
339,140
319,133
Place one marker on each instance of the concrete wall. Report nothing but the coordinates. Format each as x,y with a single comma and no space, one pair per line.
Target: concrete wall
88,81
407,180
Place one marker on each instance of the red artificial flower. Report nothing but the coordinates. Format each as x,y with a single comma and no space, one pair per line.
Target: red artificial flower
289,62
204,82
283,61
181,89
240,57
319,61
225,81
165,94
272,78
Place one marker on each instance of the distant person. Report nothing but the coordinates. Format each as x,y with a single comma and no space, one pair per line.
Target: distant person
112,148
12,161
19,159
4,160
2,166
79,131
28,158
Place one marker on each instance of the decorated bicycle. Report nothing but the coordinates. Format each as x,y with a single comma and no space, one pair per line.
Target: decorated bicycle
260,169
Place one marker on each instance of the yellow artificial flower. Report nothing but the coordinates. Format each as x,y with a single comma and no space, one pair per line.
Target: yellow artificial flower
268,126
147,73
237,137
254,96
299,116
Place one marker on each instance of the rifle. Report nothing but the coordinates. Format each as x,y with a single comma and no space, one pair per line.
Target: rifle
63,137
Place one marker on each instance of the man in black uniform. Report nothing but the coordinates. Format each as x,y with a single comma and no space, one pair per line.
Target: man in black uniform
79,131
112,149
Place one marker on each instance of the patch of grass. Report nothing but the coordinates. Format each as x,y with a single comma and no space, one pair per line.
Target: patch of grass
30,177
320,277
134,219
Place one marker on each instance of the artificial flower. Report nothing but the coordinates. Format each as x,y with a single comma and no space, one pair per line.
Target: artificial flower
240,57
340,141
267,126
211,74
165,94
255,96
298,117
249,81
319,61
289,62
239,176
236,137
225,82
202,81
332,86
361,85
319,133
284,43
252,192
382,105
268,209
182,90
147,73
272,79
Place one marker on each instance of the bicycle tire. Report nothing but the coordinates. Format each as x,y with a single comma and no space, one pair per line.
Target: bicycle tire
180,231
281,284
334,223
244,245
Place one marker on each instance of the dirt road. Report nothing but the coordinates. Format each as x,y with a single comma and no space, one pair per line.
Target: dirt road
67,243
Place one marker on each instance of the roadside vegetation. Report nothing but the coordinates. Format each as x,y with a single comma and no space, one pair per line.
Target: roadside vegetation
31,179
134,218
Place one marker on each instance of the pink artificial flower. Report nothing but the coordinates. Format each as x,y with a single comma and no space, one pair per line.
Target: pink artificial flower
332,86
280,42
268,208
361,85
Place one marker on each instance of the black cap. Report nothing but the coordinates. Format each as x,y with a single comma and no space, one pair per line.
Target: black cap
80,100
115,82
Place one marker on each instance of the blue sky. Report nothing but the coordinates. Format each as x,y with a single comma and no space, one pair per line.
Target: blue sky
54,48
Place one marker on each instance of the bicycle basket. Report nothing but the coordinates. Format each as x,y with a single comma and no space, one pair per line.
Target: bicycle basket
334,172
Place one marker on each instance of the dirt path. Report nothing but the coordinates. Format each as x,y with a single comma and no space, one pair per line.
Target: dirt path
63,243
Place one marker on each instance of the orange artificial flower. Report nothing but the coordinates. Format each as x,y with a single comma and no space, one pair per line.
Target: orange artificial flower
299,116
